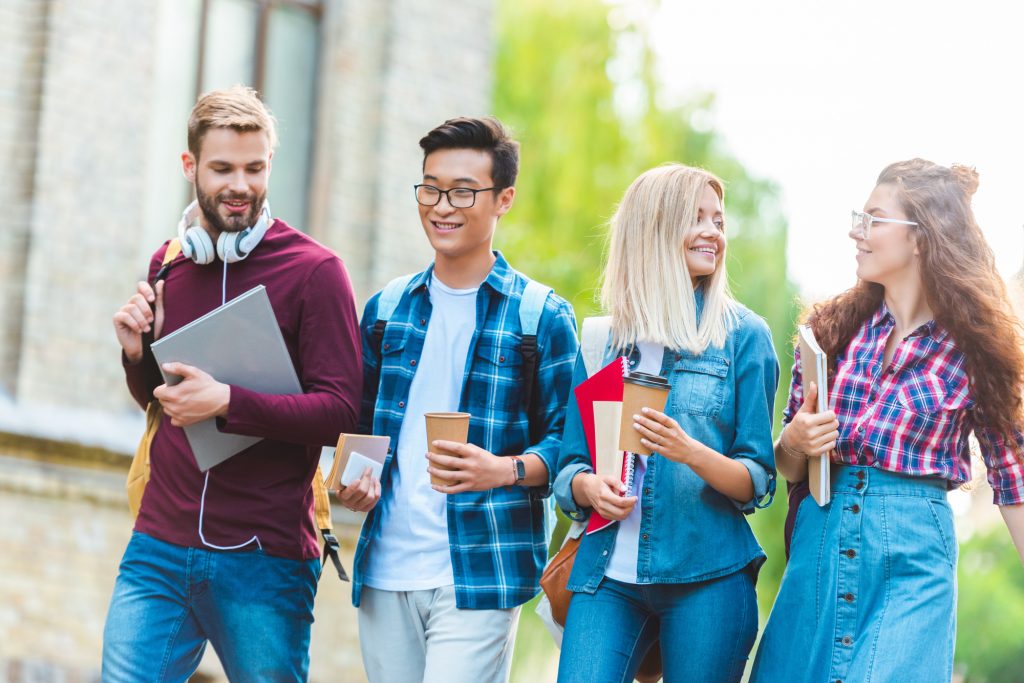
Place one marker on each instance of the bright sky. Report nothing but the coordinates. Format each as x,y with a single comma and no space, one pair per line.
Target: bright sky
820,96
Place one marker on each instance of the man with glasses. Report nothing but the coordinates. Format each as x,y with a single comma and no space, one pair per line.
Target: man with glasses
441,570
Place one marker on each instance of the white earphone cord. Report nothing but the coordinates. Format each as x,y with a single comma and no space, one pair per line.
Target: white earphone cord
206,481
224,285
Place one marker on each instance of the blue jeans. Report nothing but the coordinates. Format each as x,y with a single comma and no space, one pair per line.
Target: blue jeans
255,609
706,630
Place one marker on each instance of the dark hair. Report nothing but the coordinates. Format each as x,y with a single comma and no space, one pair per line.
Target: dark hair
487,134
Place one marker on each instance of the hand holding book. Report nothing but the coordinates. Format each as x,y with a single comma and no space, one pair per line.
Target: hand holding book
811,434
604,494
361,494
816,428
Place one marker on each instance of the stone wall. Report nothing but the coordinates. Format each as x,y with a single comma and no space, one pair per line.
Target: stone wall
65,529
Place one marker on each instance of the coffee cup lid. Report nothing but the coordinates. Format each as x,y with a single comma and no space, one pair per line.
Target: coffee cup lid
645,380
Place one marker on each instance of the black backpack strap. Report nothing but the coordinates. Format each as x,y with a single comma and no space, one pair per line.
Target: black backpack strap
378,334
529,351
331,548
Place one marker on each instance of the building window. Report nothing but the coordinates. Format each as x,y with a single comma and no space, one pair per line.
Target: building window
273,46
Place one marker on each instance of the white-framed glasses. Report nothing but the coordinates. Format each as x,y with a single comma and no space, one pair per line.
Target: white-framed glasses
862,222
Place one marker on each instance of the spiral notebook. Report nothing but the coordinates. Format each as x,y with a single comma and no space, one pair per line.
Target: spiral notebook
599,399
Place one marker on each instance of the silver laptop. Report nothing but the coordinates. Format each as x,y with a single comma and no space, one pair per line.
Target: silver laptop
238,343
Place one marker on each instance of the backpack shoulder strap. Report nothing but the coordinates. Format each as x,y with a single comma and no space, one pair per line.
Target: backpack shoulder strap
138,473
594,341
391,295
322,513
389,299
531,307
173,249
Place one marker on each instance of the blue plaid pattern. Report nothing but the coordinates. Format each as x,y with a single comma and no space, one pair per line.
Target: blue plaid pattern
499,538
914,417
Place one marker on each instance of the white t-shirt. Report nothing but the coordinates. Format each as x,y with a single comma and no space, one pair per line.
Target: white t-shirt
412,551
622,563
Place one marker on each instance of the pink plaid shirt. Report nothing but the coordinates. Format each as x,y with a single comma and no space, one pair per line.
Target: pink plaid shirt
915,416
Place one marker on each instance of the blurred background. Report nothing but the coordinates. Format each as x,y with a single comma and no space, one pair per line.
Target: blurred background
797,105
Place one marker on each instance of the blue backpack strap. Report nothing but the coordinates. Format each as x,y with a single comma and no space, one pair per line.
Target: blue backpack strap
531,307
594,342
389,299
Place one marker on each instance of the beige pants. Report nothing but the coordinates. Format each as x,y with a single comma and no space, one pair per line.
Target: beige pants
411,636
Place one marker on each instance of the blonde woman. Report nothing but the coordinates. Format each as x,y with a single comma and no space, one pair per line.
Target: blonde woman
681,561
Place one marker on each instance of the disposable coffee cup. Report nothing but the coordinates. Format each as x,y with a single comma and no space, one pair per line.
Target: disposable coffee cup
639,390
445,427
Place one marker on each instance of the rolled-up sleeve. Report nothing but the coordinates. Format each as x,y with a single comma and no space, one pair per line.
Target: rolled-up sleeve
757,379
1005,471
796,389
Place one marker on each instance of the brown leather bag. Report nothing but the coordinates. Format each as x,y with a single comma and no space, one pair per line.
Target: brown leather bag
555,580
556,577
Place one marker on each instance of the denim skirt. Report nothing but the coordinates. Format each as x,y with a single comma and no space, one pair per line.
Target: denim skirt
869,594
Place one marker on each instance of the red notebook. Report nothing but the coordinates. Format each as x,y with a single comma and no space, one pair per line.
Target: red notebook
603,385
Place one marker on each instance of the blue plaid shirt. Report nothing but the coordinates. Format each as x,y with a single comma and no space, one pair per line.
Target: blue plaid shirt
498,538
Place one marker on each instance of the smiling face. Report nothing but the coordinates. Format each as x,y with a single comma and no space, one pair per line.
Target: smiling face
231,176
890,252
458,234
705,241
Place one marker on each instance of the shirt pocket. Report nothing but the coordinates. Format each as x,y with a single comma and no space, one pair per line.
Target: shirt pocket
929,412
497,371
394,371
927,397
392,352
698,385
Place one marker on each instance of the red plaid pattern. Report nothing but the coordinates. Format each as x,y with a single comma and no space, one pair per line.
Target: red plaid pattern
915,416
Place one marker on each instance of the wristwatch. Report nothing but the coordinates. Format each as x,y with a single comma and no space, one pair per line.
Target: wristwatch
519,467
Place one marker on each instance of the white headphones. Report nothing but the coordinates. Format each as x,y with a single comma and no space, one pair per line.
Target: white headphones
231,246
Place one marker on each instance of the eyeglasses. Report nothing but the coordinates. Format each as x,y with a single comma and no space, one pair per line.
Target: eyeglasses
862,222
458,197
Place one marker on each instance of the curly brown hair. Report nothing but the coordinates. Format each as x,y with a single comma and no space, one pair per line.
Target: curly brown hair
965,293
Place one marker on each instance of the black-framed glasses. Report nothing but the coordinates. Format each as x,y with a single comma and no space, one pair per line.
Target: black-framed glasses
862,222
458,197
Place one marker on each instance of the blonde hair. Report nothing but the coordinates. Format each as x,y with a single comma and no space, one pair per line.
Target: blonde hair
238,108
647,288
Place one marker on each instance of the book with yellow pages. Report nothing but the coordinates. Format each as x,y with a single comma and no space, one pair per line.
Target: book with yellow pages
348,461
814,368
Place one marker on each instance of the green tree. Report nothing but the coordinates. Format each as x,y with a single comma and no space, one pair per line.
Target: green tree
581,147
990,611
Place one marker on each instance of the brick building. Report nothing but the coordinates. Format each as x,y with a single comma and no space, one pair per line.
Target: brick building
94,95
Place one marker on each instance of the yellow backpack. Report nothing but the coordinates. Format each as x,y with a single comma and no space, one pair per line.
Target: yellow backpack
138,473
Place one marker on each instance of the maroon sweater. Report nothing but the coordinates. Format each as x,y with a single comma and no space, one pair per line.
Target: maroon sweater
265,489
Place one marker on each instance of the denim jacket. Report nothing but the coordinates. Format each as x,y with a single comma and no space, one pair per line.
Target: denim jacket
689,531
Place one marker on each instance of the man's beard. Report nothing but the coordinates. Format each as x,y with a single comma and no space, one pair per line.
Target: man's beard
235,223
